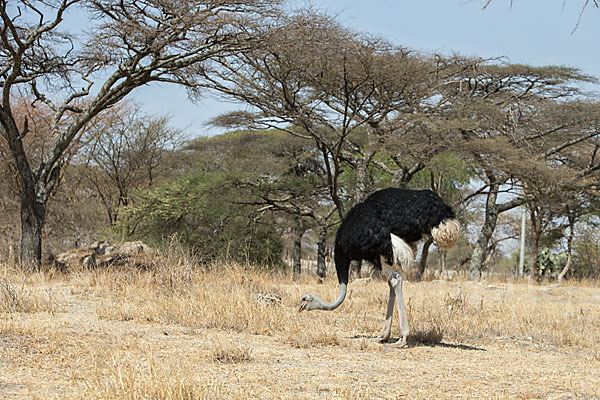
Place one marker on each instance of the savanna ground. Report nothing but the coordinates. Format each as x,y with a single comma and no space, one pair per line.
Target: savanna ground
172,331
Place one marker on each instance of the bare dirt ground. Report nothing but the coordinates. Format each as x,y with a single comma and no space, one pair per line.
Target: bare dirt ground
70,349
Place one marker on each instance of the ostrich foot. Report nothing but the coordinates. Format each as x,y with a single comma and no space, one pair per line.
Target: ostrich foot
382,338
398,344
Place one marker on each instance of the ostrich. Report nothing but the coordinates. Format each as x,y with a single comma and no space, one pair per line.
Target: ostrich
384,229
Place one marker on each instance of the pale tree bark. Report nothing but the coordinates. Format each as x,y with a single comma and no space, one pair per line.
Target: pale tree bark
443,256
567,267
362,176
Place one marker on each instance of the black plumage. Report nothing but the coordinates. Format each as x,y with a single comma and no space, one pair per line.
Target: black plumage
365,231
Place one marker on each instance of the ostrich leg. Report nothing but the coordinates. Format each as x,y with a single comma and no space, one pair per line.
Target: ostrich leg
387,327
395,282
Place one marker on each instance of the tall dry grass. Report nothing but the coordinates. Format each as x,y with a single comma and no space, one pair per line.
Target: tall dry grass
173,289
23,292
224,300
232,297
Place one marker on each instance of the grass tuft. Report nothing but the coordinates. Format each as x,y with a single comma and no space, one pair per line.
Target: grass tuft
20,298
228,352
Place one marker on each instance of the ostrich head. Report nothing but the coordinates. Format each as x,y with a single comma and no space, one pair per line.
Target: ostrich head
313,302
310,302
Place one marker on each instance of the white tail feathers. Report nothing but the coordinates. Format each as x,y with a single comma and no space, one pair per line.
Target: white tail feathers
446,234
404,253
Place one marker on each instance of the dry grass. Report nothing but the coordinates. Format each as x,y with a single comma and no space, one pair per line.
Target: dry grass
175,331
230,352
20,293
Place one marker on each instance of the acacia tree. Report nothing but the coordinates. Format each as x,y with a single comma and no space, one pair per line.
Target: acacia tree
281,175
38,120
302,195
514,124
79,74
344,91
573,155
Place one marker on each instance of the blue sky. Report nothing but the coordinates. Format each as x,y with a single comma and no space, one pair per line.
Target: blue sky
530,32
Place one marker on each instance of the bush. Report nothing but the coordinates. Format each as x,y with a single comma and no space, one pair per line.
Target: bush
550,265
204,211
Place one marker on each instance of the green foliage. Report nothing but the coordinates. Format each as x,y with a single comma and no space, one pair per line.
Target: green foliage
203,212
280,172
550,265
453,170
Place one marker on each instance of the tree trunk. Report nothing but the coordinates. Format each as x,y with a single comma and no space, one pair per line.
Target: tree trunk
36,187
485,235
420,271
561,276
536,230
321,254
33,215
360,193
298,231
362,177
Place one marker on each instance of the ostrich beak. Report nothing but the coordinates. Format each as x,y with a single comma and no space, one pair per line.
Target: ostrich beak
302,305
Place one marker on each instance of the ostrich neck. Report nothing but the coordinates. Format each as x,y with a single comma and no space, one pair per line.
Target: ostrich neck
340,299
